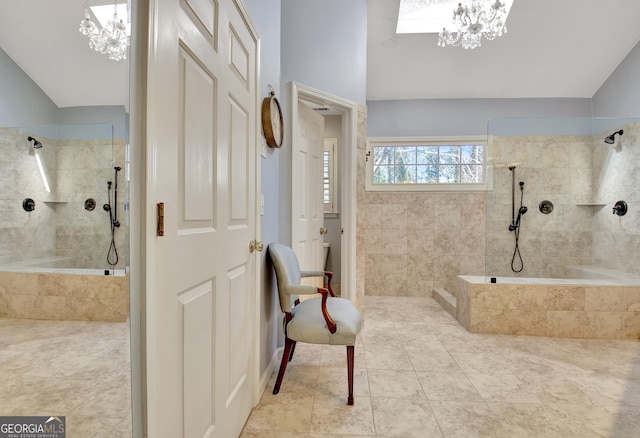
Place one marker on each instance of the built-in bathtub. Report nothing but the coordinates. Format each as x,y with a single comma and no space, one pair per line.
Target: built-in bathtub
578,308
44,292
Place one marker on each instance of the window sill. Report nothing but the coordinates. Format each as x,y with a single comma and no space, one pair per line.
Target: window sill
427,188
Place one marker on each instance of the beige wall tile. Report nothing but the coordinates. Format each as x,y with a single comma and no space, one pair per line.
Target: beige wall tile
494,321
373,241
373,264
37,307
420,268
394,241
394,216
393,287
488,296
630,328
565,298
602,325
603,298
419,288
371,215
631,299
530,322
446,216
12,283
393,267
527,297
565,324
419,242
420,217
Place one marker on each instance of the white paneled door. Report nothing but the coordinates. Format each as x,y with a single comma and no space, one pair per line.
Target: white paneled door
307,185
201,137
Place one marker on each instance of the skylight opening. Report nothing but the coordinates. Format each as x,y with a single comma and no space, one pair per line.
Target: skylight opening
104,13
430,16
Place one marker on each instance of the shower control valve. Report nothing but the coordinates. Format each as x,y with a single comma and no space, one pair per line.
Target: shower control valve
620,208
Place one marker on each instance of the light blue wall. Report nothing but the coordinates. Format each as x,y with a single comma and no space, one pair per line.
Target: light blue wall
114,115
266,17
22,102
456,117
324,46
619,96
321,44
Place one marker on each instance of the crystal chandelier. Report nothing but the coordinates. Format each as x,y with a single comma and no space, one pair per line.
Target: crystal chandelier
111,40
473,20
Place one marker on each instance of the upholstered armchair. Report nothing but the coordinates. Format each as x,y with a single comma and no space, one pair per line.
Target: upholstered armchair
323,320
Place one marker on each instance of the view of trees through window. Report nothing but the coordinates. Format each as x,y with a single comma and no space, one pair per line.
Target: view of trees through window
428,164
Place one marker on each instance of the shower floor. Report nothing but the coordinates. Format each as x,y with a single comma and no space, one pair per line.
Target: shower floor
76,369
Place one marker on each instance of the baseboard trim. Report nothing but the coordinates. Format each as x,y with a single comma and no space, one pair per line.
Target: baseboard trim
264,379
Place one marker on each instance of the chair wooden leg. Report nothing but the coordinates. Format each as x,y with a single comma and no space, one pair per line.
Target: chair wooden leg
350,360
288,347
293,348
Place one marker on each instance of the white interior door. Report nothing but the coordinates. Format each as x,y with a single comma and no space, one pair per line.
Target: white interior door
201,163
307,200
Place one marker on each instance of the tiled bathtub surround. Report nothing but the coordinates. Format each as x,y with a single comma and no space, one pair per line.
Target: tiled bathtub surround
64,296
578,310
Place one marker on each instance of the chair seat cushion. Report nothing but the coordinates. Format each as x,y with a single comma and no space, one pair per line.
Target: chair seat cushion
308,324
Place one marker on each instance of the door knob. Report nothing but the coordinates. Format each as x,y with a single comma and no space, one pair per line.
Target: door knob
323,230
255,245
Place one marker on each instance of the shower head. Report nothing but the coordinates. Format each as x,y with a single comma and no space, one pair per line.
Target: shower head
36,143
611,138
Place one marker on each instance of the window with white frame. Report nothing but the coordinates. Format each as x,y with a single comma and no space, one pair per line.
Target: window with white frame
427,164
329,167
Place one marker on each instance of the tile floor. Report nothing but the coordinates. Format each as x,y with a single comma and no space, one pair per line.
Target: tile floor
76,369
420,374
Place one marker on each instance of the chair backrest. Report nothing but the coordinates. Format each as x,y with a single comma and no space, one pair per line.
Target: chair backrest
287,270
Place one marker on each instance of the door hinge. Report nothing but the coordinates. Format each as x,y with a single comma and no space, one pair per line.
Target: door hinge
160,219
255,245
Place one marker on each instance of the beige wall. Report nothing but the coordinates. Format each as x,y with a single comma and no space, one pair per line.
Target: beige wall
419,241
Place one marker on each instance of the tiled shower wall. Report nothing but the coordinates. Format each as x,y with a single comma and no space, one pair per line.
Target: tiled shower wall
553,168
416,241
616,176
60,226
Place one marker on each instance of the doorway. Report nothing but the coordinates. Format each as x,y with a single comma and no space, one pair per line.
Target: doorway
341,120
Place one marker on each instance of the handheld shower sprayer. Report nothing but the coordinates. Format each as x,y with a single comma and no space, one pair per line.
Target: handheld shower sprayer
112,254
515,220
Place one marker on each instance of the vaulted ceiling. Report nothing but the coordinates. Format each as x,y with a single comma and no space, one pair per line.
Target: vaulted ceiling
553,48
